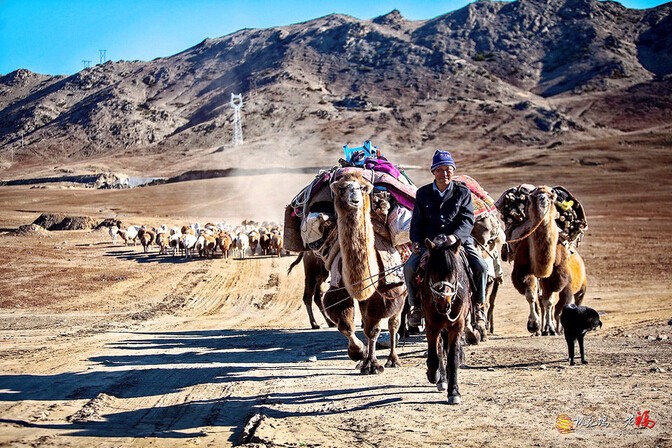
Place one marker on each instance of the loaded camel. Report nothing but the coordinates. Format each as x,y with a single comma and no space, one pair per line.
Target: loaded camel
488,234
540,259
360,276
315,275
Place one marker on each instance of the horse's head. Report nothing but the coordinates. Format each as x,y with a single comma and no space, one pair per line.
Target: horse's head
444,273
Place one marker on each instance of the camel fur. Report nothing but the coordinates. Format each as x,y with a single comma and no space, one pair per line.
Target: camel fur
541,261
315,275
361,278
488,233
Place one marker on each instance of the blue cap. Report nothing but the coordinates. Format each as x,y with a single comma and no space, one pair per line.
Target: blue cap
442,158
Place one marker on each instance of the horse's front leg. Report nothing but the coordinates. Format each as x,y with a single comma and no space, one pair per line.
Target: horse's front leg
393,327
372,331
442,382
433,376
454,396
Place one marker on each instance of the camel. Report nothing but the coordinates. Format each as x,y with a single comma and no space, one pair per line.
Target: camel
488,234
541,260
361,278
315,275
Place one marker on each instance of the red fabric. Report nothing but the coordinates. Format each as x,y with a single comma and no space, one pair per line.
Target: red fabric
482,202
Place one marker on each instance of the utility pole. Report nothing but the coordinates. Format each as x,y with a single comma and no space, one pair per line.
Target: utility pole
103,58
237,104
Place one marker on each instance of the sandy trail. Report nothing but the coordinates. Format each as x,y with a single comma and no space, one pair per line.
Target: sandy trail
103,345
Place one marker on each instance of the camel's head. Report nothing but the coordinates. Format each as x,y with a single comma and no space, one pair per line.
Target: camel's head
542,199
351,191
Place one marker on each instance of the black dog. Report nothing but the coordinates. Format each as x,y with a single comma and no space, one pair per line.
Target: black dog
577,321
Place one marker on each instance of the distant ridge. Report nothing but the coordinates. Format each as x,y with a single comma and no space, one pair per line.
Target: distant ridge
489,75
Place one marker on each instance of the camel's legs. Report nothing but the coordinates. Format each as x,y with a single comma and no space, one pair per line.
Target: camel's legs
494,288
341,309
309,291
565,297
533,320
547,301
393,327
355,346
317,298
372,331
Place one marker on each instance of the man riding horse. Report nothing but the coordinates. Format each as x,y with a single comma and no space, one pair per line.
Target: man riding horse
444,207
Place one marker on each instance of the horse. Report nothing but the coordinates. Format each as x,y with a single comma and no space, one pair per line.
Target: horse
445,295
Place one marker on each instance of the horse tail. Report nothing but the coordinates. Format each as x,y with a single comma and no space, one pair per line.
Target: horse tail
294,263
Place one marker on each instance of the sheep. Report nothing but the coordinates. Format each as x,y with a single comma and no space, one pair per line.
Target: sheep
253,236
163,241
188,242
114,232
276,242
200,244
174,243
209,245
242,244
146,239
224,241
187,230
265,242
124,236
132,234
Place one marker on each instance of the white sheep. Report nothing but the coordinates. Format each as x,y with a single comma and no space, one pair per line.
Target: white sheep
242,243
174,242
114,232
188,242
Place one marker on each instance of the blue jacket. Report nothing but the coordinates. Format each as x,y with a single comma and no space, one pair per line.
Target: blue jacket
451,215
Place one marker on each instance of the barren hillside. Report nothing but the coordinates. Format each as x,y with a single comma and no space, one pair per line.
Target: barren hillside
488,76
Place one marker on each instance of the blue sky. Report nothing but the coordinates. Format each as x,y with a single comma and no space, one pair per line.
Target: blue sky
55,36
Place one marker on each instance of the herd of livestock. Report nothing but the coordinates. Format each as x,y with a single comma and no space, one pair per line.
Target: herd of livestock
206,241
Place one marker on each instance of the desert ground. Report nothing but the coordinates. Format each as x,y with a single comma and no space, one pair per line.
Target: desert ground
104,345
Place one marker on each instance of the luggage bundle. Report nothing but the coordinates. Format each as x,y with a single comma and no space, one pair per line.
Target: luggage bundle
483,203
571,221
310,218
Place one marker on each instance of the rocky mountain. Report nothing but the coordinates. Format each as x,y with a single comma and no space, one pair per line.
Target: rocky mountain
490,75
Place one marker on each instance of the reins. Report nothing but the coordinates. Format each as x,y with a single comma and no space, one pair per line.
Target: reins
534,229
385,271
454,289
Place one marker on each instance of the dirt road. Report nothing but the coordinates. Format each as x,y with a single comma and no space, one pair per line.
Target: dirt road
104,345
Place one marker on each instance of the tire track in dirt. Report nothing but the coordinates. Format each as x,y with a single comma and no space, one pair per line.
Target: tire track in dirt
236,294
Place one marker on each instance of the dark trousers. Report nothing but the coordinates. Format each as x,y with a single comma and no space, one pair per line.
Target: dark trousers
479,269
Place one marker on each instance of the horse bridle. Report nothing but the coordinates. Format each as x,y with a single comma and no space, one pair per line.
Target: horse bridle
439,289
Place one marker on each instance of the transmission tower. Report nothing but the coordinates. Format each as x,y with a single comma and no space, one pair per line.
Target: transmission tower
237,104
86,63
103,57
